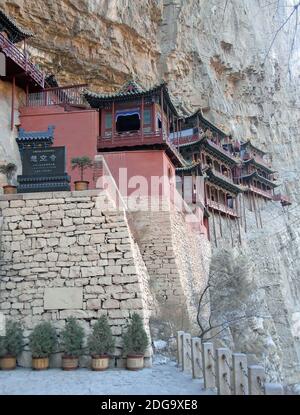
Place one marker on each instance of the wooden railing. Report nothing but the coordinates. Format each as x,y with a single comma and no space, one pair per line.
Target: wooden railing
261,192
12,52
223,372
221,208
258,159
221,149
72,95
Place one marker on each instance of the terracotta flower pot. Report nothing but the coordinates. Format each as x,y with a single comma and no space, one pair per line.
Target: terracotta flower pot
9,190
135,361
8,363
69,363
40,363
100,362
81,185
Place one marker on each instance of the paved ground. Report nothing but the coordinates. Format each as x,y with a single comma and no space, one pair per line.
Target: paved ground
161,379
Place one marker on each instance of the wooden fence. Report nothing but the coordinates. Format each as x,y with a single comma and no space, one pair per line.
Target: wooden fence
222,370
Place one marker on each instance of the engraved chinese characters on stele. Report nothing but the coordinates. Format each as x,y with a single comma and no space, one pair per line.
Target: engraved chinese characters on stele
44,161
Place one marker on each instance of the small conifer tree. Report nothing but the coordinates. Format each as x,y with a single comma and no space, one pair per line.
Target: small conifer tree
12,343
42,340
101,341
72,338
135,340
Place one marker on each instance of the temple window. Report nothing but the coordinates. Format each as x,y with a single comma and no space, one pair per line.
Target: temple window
108,121
158,121
216,166
128,120
229,201
147,120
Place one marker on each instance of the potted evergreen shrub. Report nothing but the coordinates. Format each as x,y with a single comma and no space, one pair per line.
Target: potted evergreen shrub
42,342
11,345
135,343
81,163
9,171
72,340
100,343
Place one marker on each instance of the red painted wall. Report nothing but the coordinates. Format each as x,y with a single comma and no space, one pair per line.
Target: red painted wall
76,130
146,163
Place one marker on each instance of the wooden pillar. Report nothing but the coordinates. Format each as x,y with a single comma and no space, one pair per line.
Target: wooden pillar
27,95
220,220
168,122
113,122
177,132
12,121
142,119
162,112
153,119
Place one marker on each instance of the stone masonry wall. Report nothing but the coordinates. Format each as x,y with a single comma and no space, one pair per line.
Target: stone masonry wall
177,259
69,254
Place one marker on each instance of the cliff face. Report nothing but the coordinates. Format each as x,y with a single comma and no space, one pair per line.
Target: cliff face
212,57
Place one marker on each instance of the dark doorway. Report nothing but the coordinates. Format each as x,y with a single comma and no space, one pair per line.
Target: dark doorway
128,123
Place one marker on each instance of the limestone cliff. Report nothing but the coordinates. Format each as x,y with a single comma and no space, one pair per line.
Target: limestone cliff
212,57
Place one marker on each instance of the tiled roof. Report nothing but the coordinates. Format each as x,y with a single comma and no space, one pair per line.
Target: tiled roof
188,167
260,164
29,136
223,182
8,23
249,144
255,175
204,121
129,91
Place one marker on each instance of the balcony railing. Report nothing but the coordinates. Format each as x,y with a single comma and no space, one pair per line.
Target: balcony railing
12,52
221,149
261,192
258,159
221,208
72,95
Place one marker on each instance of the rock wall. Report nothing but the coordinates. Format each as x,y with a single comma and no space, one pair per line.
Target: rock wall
8,147
271,338
69,254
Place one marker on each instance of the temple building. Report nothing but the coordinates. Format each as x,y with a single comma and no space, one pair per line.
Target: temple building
211,149
255,173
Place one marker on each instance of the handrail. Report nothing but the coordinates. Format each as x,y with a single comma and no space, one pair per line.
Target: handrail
55,88
220,207
260,191
71,95
12,52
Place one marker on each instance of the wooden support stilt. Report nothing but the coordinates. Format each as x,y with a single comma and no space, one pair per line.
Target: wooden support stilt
254,207
220,219
142,119
113,122
244,212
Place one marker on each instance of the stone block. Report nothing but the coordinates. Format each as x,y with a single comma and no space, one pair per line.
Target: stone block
111,304
63,298
93,304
